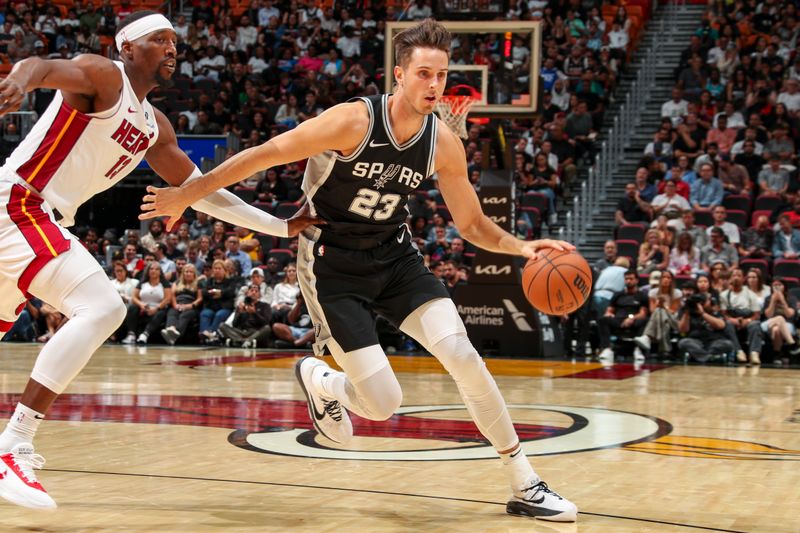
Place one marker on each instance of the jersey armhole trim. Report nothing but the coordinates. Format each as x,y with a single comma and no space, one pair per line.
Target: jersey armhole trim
367,137
434,141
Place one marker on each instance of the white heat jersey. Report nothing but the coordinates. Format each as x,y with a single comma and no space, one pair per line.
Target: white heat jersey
70,156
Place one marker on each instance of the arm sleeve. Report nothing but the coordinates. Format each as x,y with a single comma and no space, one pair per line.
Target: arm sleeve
230,208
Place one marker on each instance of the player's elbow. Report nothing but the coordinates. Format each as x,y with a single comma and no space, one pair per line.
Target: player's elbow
471,230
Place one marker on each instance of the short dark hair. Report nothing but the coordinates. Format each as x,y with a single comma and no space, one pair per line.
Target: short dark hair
426,34
631,273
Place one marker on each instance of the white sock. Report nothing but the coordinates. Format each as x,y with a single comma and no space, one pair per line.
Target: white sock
21,427
519,470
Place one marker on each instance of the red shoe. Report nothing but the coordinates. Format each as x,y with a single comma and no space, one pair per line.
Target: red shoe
18,483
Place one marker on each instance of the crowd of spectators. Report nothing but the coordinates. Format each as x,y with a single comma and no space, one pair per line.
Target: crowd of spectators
708,224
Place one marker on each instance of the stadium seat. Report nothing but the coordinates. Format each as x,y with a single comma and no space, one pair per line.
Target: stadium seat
740,202
283,255
791,283
267,242
738,217
628,248
245,193
534,199
533,214
286,209
767,202
761,264
703,218
786,268
631,232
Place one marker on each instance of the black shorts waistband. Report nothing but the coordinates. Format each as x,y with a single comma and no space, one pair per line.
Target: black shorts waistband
362,243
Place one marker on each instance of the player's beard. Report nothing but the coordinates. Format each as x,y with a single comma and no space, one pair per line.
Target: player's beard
164,83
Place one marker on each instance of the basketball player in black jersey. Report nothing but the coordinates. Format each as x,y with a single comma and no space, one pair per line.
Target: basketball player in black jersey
364,158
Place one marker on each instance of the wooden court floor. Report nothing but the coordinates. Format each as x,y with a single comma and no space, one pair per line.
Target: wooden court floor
190,440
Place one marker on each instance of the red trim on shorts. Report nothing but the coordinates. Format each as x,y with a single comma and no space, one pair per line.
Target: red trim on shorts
5,326
59,140
42,234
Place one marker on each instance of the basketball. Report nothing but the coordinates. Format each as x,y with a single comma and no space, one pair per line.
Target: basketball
556,282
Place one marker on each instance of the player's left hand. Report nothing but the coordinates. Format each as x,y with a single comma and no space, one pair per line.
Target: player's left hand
530,248
163,202
301,220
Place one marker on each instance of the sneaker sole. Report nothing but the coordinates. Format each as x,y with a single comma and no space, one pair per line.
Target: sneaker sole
516,508
14,498
313,418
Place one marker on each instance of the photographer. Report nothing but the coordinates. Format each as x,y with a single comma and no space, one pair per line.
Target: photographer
251,321
742,310
701,320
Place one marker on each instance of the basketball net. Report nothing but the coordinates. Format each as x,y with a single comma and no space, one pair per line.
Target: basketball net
453,110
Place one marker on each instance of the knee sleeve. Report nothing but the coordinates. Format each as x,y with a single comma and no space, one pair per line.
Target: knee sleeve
368,387
95,311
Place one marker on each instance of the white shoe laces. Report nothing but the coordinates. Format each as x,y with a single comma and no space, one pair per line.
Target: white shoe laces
27,462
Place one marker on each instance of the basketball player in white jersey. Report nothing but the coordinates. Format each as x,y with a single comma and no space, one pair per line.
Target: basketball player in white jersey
96,131
366,156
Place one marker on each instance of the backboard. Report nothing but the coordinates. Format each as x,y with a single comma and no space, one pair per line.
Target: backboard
498,59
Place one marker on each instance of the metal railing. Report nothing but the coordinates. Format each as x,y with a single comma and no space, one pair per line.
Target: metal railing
586,204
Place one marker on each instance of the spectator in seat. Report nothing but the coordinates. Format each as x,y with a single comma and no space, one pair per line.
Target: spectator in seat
168,267
676,108
741,309
285,293
773,179
704,327
664,301
690,140
626,315
670,203
218,295
298,330
750,135
755,282
653,255
722,135
786,244
750,160
698,233
155,234
734,177
187,297
720,214
609,256
757,241
780,310
124,284
718,251
675,175
642,180
579,128
545,181
706,192
711,156
684,259
780,145
632,207
149,304
233,252
610,281
251,320
133,263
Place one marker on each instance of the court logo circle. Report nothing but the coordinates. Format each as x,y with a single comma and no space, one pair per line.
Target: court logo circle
591,429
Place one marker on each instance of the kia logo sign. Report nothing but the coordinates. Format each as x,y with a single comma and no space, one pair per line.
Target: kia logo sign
495,200
493,270
499,220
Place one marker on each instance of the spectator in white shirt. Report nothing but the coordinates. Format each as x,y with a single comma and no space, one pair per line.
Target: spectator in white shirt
349,44
419,10
618,41
731,230
676,108
248,34
791,96
267,12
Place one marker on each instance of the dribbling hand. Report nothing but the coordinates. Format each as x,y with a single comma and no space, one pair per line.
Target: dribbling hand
530,248
301,220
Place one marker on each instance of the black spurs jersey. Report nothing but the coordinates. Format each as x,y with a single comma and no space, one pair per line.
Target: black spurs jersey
363,196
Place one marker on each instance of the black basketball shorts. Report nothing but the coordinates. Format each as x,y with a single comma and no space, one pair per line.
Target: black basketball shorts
344,289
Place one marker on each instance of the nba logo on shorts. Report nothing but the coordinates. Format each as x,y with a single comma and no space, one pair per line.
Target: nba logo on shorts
321,250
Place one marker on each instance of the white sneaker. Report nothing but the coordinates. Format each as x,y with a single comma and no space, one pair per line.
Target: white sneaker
741,357
606,356
142,338
170,335
248,344
18,483
638,356
643,342
539,501
329,417
129,339
755,358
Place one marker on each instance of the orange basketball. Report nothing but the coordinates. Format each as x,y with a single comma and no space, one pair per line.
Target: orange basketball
557,283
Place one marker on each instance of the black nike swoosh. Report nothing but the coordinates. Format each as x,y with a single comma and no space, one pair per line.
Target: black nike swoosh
537,502
37,417
516,453
312,408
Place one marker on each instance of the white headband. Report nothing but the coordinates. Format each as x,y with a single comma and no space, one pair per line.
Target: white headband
142,27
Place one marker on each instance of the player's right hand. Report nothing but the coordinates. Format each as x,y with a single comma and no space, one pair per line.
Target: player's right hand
11,95
301,220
